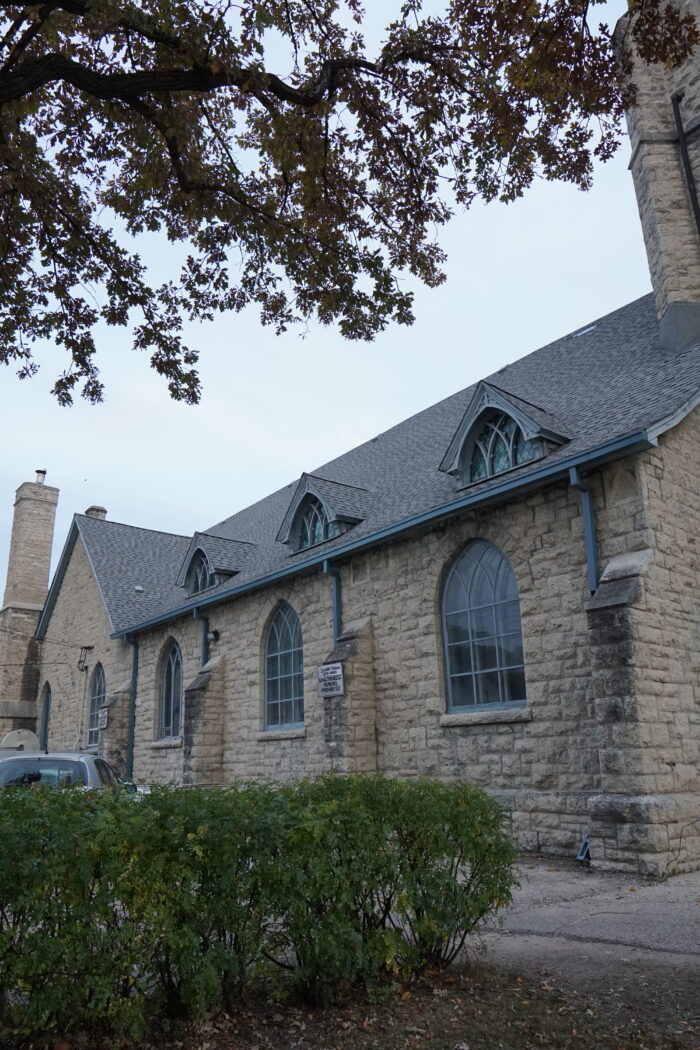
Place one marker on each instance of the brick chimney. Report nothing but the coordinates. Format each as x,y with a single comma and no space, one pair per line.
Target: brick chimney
97,512
664,129
25,593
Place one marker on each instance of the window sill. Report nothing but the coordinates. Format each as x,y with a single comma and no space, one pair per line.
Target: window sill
486,717
168,742
282,734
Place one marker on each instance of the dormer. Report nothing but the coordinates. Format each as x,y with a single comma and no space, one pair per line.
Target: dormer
320,510
498,433
211,560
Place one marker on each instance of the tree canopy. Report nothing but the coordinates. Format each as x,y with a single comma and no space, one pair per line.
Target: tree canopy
305,171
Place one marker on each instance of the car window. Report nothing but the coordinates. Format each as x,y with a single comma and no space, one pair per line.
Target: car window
106,773
53,772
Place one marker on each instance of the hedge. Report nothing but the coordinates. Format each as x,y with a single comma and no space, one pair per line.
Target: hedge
117,912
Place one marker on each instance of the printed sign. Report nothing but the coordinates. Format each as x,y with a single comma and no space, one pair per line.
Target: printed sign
330,680
102,718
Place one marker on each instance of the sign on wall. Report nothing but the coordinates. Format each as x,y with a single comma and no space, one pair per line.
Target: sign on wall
330,680
102,718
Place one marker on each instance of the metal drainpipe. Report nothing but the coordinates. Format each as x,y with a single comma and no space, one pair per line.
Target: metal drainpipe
132,708
337,599
205,640
685,158
589,533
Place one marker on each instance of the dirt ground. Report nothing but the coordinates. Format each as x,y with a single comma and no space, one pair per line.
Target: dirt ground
476,1009
580,960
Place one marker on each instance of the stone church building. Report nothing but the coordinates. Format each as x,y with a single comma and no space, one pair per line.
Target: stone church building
504,588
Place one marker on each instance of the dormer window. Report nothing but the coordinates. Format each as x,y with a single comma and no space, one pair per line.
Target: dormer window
199,576
498,444
314,525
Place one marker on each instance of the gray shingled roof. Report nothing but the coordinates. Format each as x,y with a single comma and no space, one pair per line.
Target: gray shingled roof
611,381
125,557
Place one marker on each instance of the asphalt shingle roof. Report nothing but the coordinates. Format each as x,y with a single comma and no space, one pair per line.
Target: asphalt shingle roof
610,380
125,557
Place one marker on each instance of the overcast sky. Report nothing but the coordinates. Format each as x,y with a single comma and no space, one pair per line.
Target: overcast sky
518,276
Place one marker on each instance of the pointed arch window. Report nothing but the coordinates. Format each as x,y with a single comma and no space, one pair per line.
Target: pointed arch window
481,631
171,692
199,576
97,698
284,671
313,524
497,444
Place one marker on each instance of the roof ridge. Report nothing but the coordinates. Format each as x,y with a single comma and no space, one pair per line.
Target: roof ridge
227,539
139,528
524,400
332,481
594,322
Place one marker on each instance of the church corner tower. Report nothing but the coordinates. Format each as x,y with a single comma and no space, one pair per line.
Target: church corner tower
25,593
665,164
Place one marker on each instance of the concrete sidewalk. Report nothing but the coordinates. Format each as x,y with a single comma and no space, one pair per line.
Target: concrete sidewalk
627,942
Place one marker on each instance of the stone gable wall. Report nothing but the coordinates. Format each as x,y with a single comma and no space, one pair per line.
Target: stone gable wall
79,618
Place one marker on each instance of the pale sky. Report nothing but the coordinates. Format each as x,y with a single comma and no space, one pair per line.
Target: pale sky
518,276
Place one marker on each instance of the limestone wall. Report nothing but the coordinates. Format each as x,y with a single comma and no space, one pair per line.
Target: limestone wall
667,640
545,762
79,619
665,210
608,742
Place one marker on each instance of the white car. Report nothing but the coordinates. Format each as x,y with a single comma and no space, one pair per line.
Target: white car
58,769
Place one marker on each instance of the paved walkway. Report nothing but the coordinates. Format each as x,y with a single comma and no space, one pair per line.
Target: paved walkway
630,943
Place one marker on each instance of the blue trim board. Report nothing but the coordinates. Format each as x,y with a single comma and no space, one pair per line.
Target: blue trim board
637,441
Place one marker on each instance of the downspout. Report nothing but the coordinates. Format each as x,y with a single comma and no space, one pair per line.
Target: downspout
131,732
685,158
337,599
589,530
204,639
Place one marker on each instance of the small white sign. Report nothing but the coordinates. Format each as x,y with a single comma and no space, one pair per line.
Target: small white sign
102,718
330,680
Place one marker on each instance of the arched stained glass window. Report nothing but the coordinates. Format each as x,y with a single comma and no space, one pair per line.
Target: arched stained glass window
198,574
481,631
171,688
284,671
497,444
314,525
97,696
45,717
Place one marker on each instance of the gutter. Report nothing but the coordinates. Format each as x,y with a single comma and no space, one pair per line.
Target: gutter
638,441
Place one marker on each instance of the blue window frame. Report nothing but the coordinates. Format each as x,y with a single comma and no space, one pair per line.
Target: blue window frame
313,524
171,691
481,631
497,444
97,697
198,575
284,671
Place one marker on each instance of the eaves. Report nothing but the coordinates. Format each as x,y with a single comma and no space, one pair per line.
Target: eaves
540,476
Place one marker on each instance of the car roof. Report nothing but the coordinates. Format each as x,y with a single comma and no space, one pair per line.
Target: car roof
75,756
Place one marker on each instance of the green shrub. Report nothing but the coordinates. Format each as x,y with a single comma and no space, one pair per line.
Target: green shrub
64,963
456,866
331,861
116,912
